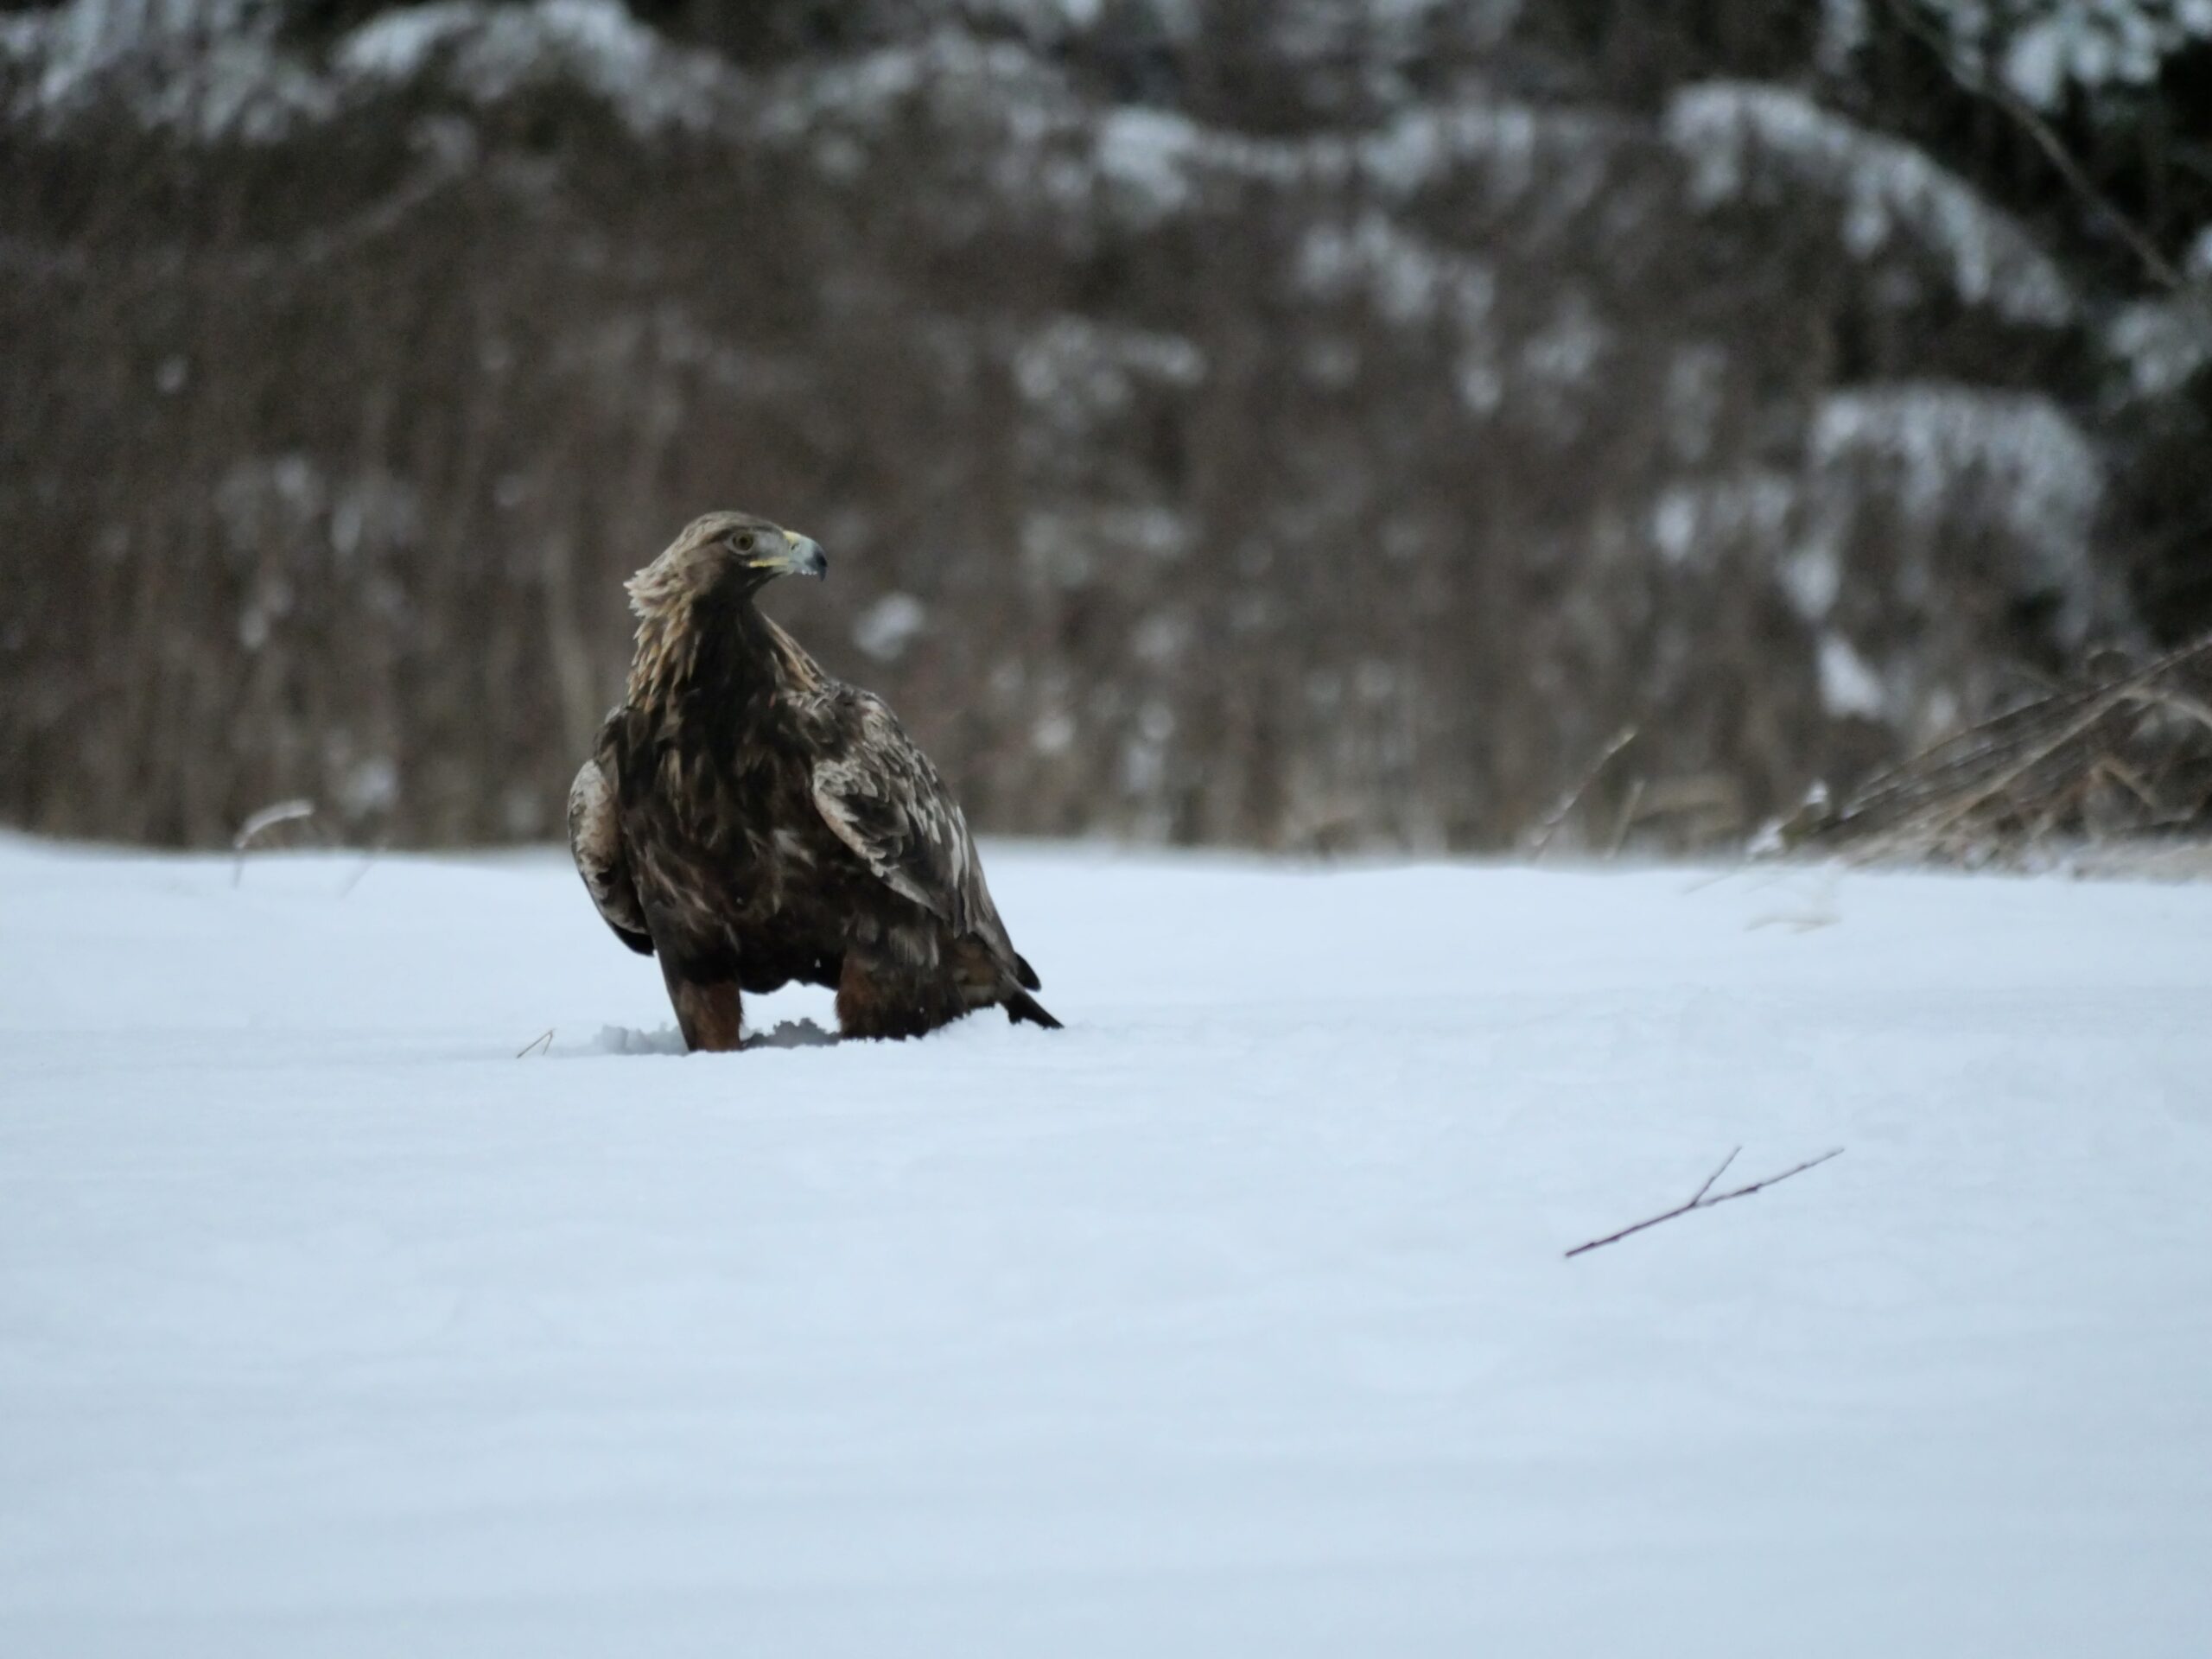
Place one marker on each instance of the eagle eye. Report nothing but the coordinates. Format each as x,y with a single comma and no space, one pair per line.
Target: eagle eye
743,543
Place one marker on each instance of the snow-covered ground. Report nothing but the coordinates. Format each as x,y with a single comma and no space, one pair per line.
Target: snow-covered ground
1233,1319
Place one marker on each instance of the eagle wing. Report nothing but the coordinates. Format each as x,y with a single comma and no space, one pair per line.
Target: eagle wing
878,793
602,857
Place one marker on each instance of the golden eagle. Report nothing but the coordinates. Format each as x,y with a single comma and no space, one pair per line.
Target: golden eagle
751,821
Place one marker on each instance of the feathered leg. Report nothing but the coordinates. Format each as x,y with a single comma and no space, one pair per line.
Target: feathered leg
711,1016
874,999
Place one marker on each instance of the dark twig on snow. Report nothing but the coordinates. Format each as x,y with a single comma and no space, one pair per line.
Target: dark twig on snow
1699,1195
544,1044
1700,1201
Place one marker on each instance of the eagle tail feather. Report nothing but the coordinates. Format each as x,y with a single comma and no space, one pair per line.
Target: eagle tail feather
1022,1006
1025,973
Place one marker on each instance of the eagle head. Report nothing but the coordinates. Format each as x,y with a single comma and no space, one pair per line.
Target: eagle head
727,552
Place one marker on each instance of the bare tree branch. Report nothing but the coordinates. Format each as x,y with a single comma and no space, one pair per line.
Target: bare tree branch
2024,116
1700,1202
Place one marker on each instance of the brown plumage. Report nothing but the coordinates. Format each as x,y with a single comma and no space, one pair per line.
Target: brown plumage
751,821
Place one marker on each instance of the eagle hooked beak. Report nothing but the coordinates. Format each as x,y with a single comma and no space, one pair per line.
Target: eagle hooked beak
801,555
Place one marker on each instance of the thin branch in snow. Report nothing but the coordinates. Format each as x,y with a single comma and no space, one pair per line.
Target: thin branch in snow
544,1044
1565,809
268,819
1627,820
367,860
1696,1196
1700,1201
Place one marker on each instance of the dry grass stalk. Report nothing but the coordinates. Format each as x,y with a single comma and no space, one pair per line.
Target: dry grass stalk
2123,756
1560,814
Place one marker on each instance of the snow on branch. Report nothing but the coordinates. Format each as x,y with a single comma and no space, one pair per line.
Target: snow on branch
2046,50
1078,373
1742,139
1155,162
1406,278
2159,346
208,69
214,70
2014,459
489,52
1514,147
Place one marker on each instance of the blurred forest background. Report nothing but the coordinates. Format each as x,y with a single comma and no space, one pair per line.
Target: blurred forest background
1314,424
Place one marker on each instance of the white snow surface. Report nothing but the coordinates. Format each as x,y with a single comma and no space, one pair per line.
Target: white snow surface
1232,1319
